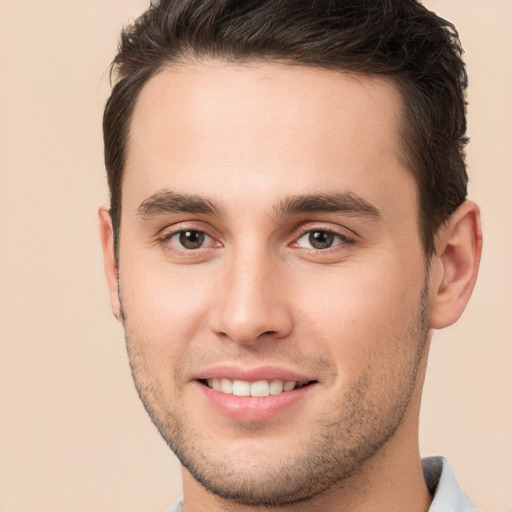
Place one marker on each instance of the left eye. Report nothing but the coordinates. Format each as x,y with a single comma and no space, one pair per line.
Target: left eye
190,239
320,239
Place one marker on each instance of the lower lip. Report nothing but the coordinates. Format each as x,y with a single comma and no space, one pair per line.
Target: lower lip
254,409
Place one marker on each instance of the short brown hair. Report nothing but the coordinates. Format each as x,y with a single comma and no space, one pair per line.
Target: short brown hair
396,38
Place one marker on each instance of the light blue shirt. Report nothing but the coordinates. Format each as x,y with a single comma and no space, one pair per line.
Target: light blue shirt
441,482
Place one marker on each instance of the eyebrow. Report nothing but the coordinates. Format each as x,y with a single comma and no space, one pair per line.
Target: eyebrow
342,202
165,202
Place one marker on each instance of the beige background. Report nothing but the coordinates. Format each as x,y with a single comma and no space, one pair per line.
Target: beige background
73,435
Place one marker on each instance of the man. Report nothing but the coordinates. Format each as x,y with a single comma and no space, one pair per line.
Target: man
288,224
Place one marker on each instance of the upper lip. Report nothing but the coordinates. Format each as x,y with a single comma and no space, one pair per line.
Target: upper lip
253,374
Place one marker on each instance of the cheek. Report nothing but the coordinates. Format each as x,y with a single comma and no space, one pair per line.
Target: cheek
165,309
361,316
162,316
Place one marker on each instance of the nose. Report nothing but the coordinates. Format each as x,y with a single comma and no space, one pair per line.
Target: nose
252,302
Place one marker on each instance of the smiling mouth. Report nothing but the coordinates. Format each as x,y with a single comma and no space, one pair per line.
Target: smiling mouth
260,388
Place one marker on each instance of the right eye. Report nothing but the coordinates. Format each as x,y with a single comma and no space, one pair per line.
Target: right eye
189,239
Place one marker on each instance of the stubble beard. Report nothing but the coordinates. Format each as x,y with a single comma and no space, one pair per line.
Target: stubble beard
352,432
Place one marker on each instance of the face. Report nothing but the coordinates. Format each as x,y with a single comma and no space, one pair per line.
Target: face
269,247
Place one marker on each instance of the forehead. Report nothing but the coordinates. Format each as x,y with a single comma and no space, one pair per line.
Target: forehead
255,129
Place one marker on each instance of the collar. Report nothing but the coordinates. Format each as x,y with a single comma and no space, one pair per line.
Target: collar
441,482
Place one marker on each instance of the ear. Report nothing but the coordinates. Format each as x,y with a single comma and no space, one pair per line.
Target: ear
109,259
455,264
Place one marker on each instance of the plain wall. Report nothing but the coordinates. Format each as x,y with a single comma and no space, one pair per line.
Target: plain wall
73,435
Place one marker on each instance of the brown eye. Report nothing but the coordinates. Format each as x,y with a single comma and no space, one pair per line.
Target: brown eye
321,239
191,239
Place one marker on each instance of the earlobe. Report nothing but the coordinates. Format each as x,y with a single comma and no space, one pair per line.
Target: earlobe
109,259
455,265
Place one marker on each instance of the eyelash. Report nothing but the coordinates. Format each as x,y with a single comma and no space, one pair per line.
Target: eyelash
344,240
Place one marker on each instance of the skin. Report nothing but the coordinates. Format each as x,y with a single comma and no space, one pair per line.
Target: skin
234,145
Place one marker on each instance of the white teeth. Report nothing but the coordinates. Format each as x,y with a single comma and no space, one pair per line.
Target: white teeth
241,388
276,387
259,388
289,385
215,384
226,386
